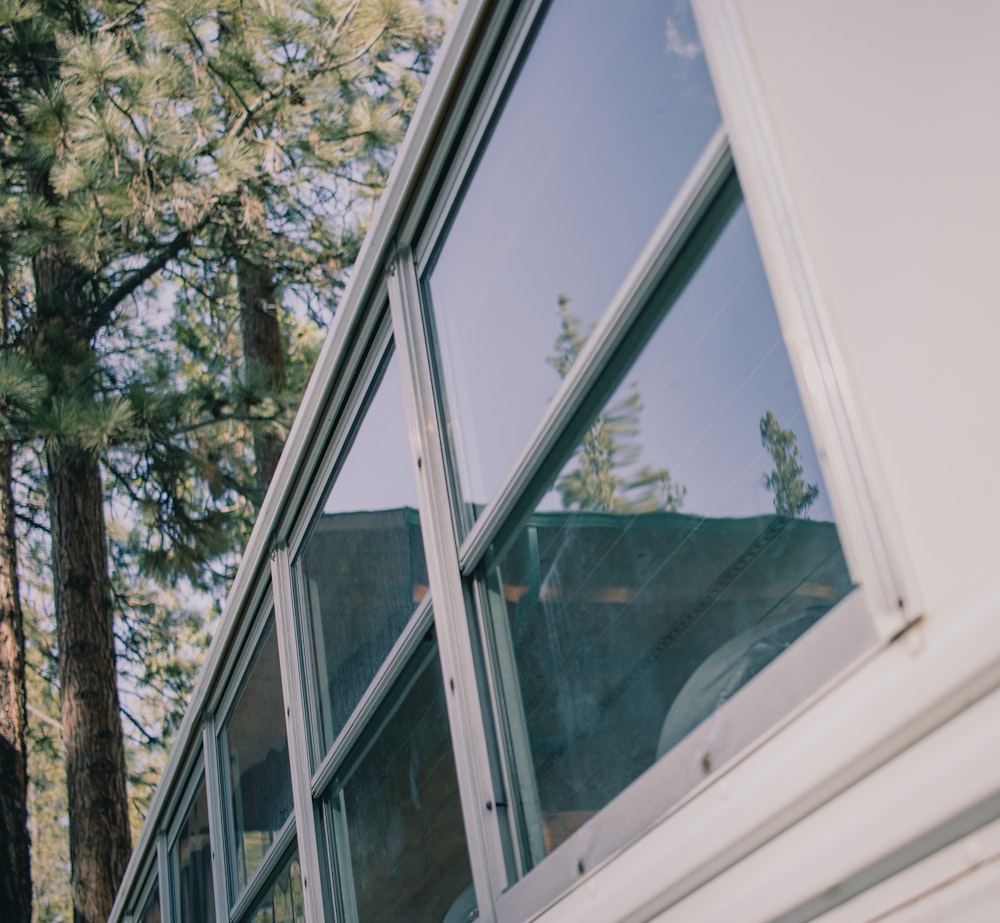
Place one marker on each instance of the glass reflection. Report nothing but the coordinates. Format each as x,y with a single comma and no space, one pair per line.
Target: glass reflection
686,543
282,903
193,867
362,567
610,112
397,819
259,778
151,912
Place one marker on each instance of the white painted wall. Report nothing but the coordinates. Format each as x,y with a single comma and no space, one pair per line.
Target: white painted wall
886,115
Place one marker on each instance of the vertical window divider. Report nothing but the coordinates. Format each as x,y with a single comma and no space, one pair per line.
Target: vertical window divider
488,841
289,654
216,824
163,878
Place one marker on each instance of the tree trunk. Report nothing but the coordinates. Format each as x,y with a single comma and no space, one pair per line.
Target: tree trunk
67,319
263,355
15,862
91,724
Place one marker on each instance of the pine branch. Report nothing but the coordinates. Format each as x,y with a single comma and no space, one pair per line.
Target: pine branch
170,252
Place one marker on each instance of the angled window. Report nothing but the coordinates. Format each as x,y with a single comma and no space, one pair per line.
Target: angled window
643,525
361,571
191,863
685,543
149,909
281,901
384,777
254,750
595,139
395,820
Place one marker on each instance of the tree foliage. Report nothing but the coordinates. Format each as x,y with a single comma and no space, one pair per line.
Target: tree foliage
792,495
605,474
170,173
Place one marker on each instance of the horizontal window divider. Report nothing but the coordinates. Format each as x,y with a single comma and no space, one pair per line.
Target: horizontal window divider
693,203
276,856
392,667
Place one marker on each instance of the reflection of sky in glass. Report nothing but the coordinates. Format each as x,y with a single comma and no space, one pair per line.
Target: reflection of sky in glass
716,365
609,114
378,473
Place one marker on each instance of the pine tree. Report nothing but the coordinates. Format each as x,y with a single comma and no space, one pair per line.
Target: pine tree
604,476
15,860
132,137
139,142
792,495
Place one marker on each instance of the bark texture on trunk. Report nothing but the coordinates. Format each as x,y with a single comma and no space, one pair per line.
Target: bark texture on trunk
15,861
263,354
68,317
91,723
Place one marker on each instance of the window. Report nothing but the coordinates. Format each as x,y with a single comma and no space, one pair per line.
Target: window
384,773
192,864
255,751
687,541
149,911
598,134
282,901
643,524
394,810
362,570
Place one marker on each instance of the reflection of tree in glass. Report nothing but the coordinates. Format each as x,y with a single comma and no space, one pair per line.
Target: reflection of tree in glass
792,495
605,477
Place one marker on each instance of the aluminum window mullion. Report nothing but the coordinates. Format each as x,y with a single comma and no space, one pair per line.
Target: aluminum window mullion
691,204
163,876
216,819
468,715
315,895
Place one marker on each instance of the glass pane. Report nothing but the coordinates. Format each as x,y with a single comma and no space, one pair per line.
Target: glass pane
283,901
362,568
398,821
194,865
259,777
686,543
609,114
151,912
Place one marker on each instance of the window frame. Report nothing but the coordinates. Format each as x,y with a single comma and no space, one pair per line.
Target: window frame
853,628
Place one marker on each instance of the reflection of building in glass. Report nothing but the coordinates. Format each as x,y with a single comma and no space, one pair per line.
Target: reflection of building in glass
610,615
456,682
